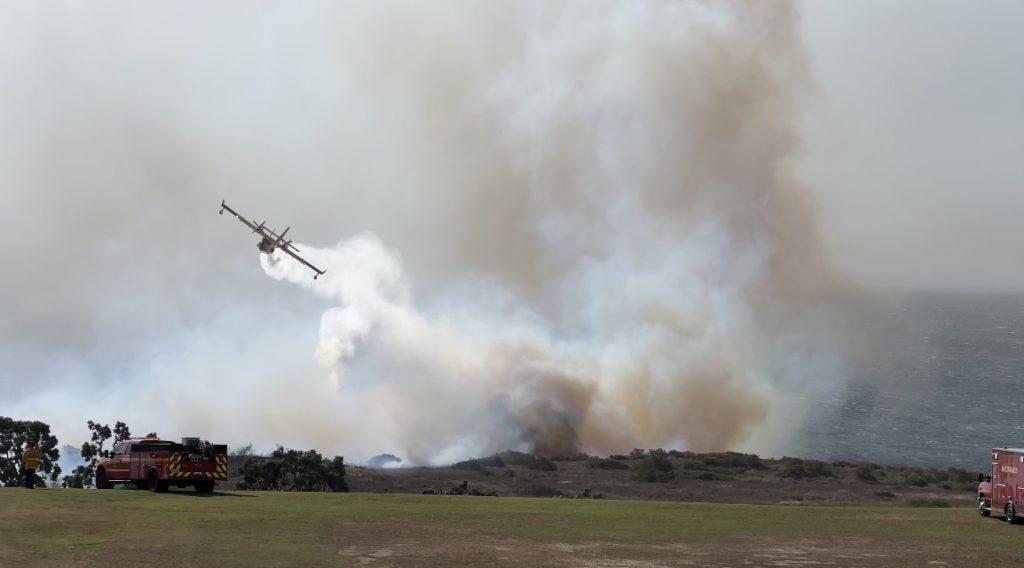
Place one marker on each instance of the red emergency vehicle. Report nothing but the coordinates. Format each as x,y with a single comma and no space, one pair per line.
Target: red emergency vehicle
156,464
1003,490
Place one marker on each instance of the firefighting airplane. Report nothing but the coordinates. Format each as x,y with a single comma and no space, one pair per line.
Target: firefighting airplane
272,240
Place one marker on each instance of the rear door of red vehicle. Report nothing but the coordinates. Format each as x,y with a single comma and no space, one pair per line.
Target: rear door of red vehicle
141,458
147,454
1015,480
1004,479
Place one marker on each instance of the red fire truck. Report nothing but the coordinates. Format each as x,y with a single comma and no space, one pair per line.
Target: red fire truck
1003,490
156,464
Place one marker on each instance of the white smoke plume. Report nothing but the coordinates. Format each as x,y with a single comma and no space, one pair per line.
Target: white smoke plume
657,265
588,236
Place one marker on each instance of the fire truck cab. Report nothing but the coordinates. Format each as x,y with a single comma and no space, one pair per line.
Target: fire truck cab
156,464
1003,490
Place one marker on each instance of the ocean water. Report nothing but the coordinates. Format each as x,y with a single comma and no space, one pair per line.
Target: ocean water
942,383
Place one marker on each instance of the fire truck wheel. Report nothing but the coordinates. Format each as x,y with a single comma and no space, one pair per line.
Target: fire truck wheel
1011,514
156,484
140,484
984,507
204,487
101,480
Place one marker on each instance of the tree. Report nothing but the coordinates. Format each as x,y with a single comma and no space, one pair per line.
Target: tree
14,434
293,470
244,452
121,432
84,475
654,467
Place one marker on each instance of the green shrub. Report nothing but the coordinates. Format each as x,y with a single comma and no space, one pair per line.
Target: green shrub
468,465
717,466
962,479
541,463
958,475
492,461
606,463
582,494
795,468
541,491
704,475
815,468
570,457
654,467
479,464
916,479
293,470
864,473
732,460
512,457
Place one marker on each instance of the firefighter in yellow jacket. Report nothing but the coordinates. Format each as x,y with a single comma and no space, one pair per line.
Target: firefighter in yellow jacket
30,462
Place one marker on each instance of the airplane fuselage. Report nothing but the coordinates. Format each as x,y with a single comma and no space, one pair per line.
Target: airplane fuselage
266,245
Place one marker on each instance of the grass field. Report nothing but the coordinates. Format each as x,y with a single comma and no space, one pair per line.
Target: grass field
127,528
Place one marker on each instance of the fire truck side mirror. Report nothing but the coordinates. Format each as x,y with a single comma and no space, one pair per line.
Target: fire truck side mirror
981,477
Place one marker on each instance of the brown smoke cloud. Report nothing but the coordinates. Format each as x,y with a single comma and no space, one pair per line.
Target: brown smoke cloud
584,229
645,269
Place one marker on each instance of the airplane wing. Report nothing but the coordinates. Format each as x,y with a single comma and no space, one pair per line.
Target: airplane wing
288,249
224,207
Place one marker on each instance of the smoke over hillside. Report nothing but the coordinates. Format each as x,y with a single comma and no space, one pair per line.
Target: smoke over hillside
618,172
565,226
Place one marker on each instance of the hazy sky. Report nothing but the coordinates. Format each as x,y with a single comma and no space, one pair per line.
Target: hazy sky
915,137
122,125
